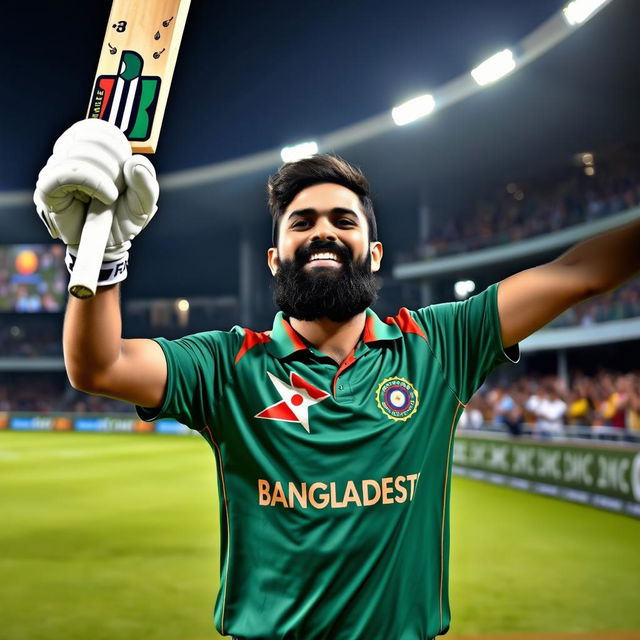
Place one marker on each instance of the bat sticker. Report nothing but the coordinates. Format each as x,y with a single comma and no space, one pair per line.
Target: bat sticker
127,100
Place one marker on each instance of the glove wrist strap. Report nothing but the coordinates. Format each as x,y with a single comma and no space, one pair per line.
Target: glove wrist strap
111,272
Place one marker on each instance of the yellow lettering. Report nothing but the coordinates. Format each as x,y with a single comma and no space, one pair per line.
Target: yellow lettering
351,494
263,493
387,490
366,500
334,501
324,497
97,105
400,489
413,477
321,495
278,495
300,495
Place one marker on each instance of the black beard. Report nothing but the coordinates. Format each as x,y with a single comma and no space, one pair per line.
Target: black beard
324,292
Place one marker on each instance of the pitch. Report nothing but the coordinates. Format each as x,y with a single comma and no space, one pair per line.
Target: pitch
115,537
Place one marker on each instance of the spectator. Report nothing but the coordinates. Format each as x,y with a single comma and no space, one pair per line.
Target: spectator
633,410
472,417
506,411
550,412
581,406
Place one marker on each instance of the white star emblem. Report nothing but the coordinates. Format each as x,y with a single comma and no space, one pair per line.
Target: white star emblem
297,397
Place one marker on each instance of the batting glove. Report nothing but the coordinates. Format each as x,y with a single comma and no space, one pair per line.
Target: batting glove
92,159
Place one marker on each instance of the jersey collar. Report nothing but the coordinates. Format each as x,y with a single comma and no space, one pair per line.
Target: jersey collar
285,340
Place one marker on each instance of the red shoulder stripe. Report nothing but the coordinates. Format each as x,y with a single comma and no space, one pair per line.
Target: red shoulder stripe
369,334
251,339
294,337
406,323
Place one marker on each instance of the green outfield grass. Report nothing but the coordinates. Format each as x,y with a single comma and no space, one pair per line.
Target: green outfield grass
115,537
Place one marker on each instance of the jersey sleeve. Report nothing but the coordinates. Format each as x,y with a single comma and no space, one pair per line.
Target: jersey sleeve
466,339
198,368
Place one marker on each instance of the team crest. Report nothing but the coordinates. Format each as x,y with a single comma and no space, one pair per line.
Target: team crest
297,397
397,398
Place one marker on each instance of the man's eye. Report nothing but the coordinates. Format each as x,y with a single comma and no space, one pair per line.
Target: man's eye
299,223
346,222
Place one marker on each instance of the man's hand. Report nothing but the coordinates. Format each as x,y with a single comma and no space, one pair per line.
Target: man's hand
92,159
135,207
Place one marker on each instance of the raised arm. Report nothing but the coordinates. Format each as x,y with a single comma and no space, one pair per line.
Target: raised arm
99,361
530,299
92,159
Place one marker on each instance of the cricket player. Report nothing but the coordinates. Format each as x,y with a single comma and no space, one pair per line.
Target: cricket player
333,431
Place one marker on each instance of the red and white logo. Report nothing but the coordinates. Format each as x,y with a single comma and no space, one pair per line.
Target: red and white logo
297,397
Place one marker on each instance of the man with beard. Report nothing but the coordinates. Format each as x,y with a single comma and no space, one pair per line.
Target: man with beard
327,292
332,432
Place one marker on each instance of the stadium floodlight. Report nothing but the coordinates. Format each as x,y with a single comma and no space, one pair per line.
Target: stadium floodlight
299,151
579,11
413,109
182,305
463,288
494,68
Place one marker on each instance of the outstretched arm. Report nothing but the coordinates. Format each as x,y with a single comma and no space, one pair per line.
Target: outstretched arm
530,299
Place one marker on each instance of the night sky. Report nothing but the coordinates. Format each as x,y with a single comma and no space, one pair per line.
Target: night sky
251,75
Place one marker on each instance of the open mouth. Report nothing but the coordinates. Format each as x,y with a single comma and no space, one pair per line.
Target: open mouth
324,259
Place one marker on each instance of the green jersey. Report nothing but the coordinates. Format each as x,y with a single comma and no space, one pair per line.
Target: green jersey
334,479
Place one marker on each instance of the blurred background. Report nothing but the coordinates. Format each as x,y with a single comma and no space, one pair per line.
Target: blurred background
474,177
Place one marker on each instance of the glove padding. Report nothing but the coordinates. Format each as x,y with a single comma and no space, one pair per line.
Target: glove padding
92,159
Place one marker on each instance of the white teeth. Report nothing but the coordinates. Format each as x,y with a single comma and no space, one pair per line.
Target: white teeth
323,256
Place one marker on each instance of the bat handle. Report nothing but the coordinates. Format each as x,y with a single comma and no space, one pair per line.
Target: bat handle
93,241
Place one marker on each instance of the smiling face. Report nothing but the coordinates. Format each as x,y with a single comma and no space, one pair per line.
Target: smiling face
324,262
328,213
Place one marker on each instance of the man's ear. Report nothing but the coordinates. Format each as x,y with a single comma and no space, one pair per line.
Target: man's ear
272,260
376,255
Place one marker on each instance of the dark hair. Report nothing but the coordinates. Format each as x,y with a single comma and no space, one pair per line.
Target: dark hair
293,177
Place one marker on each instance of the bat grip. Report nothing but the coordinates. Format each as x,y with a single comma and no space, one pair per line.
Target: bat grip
93,241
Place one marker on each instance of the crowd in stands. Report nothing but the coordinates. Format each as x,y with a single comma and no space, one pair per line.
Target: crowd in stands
522,211
620,304
546,405
51,393
38,392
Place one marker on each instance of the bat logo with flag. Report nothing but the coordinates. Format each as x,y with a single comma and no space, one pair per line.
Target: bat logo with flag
127,100
297,397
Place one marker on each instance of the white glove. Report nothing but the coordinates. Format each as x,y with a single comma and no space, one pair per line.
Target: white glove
92,159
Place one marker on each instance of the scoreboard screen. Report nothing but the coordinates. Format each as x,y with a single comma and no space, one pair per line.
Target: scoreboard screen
33,278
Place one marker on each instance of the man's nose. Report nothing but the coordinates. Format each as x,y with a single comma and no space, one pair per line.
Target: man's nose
323,230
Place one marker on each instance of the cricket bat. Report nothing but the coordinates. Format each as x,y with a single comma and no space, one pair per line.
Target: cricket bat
131,87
